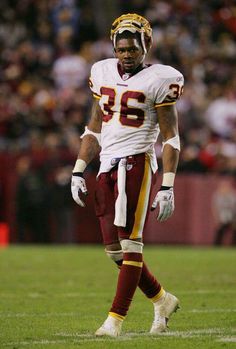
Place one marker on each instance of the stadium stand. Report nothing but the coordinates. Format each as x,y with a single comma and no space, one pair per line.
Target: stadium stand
46,51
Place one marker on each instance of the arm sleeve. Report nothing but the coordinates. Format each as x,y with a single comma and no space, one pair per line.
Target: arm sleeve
170,90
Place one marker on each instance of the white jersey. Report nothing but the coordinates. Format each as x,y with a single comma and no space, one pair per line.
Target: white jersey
129,105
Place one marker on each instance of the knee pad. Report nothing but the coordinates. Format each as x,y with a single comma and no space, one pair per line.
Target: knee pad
115,255
131,246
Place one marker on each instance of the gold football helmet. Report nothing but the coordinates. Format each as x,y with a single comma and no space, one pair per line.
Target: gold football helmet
133,23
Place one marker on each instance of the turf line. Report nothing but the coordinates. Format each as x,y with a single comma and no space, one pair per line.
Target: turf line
95,295
206,292
21,315
227,339
182,334
74,314
82,338
219,310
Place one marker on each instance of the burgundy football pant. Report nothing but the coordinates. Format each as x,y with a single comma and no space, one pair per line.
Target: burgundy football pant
139,179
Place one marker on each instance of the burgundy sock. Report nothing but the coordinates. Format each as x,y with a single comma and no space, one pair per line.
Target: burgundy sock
147,282
128,280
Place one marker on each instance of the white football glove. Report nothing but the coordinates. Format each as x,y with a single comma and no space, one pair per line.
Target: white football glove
165,199
78,187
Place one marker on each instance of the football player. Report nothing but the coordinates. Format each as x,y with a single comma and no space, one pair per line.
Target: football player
133,103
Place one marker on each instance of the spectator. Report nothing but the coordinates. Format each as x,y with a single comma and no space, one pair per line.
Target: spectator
224,210
45,64
32,212
221,113
62,208
70,70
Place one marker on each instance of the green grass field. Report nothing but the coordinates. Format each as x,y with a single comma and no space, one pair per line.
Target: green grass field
56,297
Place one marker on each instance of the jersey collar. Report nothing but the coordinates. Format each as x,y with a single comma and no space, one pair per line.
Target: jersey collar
125,76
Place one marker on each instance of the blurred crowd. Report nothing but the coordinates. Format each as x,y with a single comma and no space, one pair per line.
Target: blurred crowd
47,48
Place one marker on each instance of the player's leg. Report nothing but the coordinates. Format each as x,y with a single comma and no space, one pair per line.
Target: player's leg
105,211
164,303
220,233
147,283
129,276
234,233
138,183
131,267
128,279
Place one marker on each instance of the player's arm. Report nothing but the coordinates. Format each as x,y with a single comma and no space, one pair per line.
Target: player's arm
91,138
89,148
168,123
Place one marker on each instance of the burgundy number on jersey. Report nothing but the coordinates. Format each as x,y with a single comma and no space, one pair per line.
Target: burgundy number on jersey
107,107
176,91
129,116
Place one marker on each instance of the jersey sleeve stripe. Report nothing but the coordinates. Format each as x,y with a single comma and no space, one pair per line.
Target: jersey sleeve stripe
95,95
163,104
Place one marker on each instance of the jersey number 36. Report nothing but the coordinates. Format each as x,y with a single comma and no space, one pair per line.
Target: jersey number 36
129,116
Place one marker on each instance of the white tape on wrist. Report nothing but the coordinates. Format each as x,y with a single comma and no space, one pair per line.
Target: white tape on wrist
168,179
174,142
95,134
80,166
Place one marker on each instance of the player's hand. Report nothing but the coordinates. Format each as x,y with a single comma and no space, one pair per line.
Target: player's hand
165,199
78,188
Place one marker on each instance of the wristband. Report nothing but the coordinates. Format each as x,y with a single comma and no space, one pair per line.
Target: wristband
78,174
80,166
165,188
168,179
